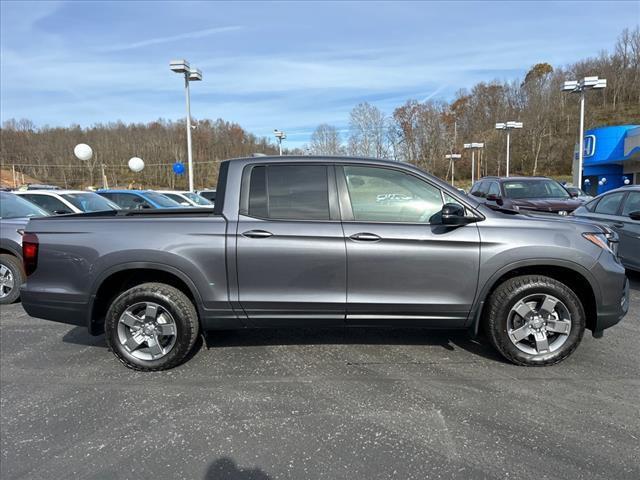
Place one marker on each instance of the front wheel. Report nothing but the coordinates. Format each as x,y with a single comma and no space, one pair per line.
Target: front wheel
151,327
534,320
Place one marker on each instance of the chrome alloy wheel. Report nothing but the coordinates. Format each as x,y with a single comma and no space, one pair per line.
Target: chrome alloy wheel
147,331
538,324
6,281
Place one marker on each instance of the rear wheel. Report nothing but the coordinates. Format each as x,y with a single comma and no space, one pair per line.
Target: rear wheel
535,320
11,277
151,327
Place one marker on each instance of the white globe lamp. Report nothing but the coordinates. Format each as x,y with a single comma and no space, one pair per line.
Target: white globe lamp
136,164
83,152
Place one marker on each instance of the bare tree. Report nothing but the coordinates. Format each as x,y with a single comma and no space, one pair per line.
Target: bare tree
367,132
325,140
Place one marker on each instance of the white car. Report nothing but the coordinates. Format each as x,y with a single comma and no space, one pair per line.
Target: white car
58,202
188,199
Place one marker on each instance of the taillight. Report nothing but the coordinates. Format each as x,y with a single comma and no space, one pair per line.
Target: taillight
30,252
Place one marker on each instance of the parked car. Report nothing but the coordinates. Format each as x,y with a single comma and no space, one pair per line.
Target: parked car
277,247
138,199
209,194
14,215
58,202
578,193
534,194
620,210
186,199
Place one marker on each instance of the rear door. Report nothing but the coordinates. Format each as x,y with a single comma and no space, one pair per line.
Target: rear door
404,268
291,256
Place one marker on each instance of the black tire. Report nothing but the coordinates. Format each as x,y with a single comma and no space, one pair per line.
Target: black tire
176,303
14,265
508,294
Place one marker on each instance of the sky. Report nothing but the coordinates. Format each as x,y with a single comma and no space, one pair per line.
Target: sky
286,65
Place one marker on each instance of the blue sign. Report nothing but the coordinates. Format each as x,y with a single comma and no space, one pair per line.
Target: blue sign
178,168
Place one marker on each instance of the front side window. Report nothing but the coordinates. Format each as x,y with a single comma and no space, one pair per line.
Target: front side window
385,195
494,189
632,204
161,200
296,192
609,204
89,202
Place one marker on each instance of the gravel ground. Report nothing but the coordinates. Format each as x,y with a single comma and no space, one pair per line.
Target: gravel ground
321,403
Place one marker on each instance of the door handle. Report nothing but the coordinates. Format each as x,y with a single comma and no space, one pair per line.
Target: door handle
257,234
365,237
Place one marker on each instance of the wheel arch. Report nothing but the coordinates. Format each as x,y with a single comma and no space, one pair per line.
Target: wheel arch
122,277
571,274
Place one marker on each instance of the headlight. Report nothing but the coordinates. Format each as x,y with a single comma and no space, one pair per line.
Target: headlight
600,240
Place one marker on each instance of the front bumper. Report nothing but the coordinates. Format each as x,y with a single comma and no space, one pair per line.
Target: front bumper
613,304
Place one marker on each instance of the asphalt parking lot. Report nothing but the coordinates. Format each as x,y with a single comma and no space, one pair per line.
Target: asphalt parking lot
321,403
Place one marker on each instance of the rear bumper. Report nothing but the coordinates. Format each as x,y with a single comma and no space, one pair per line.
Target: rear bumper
55,307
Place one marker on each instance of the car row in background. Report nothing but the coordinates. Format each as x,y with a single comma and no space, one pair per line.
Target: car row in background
15,212
60,202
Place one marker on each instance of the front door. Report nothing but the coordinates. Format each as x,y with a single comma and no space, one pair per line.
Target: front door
291,255
402,267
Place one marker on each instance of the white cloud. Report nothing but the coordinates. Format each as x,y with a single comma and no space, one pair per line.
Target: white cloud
171,38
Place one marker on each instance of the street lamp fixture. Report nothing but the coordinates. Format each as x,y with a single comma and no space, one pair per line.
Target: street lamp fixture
190,75
473,146
508,126
452,157
280,135
579,86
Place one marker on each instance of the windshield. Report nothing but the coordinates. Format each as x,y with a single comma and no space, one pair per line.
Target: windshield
161,200
197,199
538,188
12,206
89,202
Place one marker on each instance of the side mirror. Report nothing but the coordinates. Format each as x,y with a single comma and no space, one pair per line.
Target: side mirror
574,194
453,214
492,197
635,215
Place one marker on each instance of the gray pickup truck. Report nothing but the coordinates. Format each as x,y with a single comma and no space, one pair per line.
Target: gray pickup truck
301,241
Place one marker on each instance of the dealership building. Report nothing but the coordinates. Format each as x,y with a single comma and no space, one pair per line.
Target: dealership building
611,158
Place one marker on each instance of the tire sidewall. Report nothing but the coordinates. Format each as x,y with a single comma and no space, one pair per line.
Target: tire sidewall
13,264
567,297
180,316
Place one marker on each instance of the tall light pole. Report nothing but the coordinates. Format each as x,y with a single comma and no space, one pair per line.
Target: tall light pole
473,146
575,86
508,126
190,75
452,157
280,136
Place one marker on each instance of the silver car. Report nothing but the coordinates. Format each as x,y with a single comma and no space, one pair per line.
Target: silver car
14,215
620,210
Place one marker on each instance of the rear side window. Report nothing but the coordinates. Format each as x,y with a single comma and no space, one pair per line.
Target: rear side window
48,203
609,204
296,192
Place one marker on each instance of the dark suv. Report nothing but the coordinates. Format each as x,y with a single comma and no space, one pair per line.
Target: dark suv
537,194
